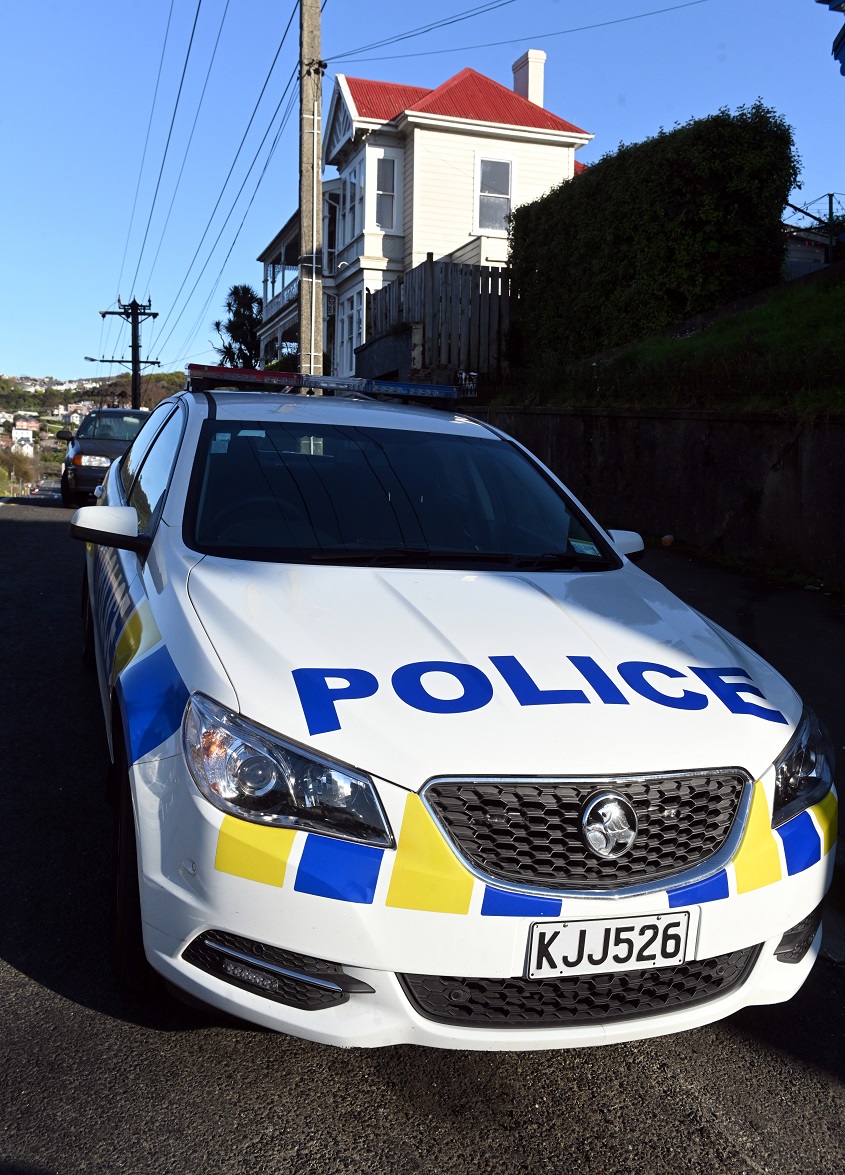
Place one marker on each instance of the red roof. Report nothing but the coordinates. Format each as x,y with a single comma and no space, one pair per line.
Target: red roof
579,166
466,95
383,100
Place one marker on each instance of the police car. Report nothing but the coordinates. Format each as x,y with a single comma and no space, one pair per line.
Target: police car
406,749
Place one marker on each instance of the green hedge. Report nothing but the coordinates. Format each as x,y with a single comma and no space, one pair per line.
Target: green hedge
652,234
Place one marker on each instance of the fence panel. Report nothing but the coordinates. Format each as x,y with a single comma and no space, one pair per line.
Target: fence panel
464,310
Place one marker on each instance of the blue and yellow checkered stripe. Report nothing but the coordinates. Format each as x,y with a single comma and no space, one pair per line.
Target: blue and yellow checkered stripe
427,875
765,854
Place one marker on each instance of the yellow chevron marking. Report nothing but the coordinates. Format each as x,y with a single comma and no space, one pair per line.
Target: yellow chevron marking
426,873
825,812
757,862
253,851
141,633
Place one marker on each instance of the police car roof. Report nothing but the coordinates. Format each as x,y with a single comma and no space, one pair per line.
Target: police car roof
343,410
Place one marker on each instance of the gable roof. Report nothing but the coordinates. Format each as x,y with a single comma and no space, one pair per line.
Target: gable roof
468,95
383,100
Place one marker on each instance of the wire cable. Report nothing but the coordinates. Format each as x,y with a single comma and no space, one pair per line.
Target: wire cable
187,148
167,144
198,322
229,174
229,214
284,121
421,30
529,37
144,152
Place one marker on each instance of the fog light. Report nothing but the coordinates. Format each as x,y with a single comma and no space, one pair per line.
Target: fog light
796,942
249,975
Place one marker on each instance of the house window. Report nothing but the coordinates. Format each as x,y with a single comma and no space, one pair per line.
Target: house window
386,194
359,318
343,236
494,195
350,343
353,201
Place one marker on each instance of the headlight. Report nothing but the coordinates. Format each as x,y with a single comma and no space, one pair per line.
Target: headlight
87,459
250,773
804,770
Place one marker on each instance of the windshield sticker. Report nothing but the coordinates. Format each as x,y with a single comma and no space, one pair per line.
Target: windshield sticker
583,547
420,685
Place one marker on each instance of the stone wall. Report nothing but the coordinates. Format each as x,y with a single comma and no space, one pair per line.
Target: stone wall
762,487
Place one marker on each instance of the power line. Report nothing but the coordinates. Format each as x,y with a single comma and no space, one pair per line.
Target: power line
167,144
228,216
138,183
188,147
144,152
229,174
421,30
529,37
198,322
284,121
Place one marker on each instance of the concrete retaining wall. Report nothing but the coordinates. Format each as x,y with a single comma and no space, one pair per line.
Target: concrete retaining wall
757,486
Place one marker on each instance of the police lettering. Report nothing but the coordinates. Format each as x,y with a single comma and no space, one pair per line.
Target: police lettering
321,691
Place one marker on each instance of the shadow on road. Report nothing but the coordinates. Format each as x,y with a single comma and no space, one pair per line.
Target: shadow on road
55,826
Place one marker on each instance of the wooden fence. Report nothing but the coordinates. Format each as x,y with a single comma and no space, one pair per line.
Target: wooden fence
464,311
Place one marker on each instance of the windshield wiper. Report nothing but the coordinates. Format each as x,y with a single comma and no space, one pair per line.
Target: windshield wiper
369,556
558,560
422,556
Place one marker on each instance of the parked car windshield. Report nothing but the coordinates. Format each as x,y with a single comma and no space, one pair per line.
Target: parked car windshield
111,426
290,492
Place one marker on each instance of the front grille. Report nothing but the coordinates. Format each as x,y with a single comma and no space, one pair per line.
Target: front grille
588,999
297,993
527,832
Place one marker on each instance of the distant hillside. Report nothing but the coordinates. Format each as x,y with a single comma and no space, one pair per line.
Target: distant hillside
26,393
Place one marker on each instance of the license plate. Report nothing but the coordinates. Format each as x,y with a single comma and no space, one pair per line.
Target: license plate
610,944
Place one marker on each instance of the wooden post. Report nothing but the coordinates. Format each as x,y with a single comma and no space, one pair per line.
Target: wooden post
429,320
310,191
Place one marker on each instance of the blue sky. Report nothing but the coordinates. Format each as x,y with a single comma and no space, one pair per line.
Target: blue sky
77,90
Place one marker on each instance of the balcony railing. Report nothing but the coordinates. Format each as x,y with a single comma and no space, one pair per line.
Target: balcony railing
290,291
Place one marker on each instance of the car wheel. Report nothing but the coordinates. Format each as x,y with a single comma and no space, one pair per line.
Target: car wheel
69,497
129,962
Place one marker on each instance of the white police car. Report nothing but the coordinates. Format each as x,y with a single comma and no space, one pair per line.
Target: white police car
411,752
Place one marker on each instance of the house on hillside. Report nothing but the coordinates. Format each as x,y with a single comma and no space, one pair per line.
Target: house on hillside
420,172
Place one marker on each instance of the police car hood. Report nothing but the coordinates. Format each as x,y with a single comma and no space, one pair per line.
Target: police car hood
409,674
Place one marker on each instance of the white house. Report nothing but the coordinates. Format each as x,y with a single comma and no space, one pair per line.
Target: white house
419,171
22,441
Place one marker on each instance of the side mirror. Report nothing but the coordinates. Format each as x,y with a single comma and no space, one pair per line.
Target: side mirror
64,434
628,542
110,526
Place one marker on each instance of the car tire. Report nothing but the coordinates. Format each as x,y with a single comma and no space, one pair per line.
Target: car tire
89,659
69,497
131,969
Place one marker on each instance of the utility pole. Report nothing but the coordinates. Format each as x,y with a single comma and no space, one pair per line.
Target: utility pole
830,240
134,313
311,69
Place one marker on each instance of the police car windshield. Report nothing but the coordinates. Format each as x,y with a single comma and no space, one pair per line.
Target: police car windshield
288,492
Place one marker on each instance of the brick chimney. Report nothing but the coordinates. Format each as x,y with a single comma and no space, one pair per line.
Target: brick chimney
528,75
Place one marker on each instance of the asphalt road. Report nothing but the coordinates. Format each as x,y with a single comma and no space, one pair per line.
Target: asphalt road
94,1082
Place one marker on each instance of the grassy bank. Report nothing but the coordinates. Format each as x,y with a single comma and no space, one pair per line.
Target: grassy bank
784,355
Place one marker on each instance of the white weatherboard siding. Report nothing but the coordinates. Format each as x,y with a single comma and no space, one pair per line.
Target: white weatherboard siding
445,185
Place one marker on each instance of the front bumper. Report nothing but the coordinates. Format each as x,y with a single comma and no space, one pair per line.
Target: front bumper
417,911
84,479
